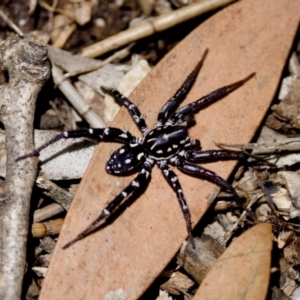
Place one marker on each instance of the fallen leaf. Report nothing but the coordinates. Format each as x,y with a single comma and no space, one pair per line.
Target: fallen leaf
243,270
250,35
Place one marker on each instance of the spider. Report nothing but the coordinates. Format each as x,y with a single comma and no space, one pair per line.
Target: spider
167,144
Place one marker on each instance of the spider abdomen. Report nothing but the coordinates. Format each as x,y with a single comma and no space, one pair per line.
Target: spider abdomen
165,141
126,159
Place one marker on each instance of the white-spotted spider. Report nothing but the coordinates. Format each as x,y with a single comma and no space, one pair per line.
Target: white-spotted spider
167,144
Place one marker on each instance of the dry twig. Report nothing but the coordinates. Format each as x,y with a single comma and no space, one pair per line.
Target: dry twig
71,93
54,191
149,27
28,69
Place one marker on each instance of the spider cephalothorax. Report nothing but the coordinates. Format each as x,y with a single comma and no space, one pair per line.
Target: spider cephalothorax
167,144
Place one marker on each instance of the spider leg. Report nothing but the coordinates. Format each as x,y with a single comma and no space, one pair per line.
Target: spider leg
211,176
172,179
186,113
106,134
180,94
138,184
133,110
192,146
210,155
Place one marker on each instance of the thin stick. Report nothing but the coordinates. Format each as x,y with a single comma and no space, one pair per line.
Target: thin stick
18,97
152,26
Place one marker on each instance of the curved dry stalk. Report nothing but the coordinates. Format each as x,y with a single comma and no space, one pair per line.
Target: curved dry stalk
149,27
10,23
28,68
78,102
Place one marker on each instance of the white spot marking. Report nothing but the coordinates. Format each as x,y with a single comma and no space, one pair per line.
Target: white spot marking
127,161
132,145
173,159
123,135
106,131
175,146
121,151
159,151
124,194
173,179
66,134
135,183
204,155
150,140
106,212
136,118
182,153
166,172
169,149
91,131
140,155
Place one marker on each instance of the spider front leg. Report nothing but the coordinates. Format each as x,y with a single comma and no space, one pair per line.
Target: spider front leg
172,179
180,94
186,113
137,185
133,110
210,155
106,134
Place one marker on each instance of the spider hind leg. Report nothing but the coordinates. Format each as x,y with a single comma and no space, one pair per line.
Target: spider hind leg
173,181
136,186
200,172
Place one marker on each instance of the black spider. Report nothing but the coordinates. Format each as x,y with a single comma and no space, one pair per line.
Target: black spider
168,143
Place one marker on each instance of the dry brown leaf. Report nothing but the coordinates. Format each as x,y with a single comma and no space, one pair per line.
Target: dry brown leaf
130,253
243,270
